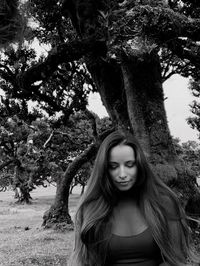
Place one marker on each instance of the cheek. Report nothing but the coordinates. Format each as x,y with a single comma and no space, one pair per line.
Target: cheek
112,174
133,172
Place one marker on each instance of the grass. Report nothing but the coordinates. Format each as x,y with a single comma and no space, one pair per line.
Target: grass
23,240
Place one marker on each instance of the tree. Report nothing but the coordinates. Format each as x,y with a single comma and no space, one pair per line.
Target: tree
11,22
189,153
34,153
128,73
126,69
58,214
23,166
120,44
194,121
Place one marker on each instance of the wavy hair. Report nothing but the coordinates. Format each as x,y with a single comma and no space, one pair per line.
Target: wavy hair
156,200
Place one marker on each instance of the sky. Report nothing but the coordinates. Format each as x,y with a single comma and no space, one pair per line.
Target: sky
179,97
176,105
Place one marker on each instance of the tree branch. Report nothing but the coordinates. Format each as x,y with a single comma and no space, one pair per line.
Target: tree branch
4,75
7,69
184,53
84,157
92,118
6,164
66,52
160,23
49,139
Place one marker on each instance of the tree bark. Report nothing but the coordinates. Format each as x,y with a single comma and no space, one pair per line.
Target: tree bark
108,78
133,96
58,216
21,181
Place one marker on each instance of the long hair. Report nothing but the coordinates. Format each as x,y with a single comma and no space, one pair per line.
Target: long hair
157,202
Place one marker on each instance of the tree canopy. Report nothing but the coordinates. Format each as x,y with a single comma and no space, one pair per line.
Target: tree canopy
126,26
122,49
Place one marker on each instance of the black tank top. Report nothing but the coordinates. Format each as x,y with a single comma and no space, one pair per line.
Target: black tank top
136,250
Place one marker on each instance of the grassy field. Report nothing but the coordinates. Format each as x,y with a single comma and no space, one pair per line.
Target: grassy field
23,240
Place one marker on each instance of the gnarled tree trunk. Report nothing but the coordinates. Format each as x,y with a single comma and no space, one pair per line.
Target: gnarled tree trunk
133,96
129,83
58,215
20,181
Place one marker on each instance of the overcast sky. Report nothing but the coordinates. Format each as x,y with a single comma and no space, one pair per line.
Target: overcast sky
177,107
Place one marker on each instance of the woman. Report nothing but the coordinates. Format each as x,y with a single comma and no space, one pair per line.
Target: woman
128,216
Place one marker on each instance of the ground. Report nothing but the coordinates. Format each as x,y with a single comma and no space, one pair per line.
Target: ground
23,240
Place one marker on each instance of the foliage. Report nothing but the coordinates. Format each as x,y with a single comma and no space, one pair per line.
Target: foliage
187,188
189,152
120,25
194,121
33,151
64,88
11,22
83,174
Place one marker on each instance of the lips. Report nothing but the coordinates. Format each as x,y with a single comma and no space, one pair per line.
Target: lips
123,183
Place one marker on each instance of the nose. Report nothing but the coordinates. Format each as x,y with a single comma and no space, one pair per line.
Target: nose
122,173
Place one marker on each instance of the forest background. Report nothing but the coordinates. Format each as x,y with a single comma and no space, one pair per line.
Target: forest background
123,50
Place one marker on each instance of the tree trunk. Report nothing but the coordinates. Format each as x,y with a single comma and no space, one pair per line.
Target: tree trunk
131,90
108,78
133,96
20,181
58,216
24,195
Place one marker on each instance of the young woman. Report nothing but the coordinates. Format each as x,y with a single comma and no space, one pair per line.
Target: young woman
127,215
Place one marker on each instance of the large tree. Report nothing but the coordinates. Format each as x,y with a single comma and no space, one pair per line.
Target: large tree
126,65
129,48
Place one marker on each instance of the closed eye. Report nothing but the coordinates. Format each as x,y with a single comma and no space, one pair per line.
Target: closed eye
130,164
112,166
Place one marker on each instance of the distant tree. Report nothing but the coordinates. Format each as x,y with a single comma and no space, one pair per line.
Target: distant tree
78,169
60,97
22,162
81,177
35,152
194,121
189,153
84,173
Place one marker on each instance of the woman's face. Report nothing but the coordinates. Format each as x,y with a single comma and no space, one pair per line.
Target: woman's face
122,167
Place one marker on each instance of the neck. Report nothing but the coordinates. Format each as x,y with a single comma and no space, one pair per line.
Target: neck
127,196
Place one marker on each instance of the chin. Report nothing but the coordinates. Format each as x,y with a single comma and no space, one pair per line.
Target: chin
125,188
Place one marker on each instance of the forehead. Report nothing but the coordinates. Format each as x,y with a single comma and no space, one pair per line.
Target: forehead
121,152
